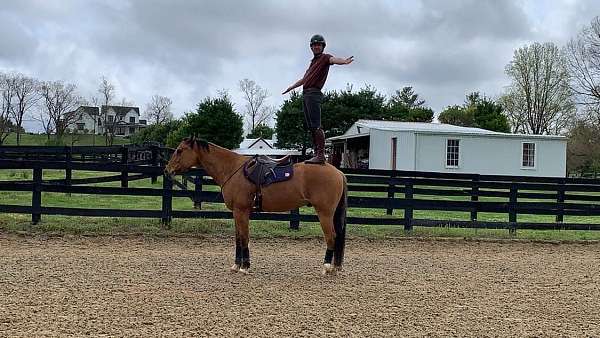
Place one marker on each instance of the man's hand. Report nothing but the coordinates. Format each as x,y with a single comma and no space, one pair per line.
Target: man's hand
340,61
286,91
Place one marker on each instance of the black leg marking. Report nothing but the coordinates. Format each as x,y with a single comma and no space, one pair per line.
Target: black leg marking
245,258
238,253
328,256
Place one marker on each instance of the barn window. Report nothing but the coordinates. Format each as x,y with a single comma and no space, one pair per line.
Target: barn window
452,151
528,159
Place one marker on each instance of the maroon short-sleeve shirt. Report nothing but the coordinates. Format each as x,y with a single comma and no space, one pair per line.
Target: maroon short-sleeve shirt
316,74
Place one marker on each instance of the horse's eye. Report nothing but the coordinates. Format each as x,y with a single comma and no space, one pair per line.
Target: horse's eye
179,151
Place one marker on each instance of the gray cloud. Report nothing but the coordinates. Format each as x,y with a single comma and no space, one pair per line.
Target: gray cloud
190,49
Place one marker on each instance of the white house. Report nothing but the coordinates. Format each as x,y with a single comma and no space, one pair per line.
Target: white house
120,120
440,147
261,146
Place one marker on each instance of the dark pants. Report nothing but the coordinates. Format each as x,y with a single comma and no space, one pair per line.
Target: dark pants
312,108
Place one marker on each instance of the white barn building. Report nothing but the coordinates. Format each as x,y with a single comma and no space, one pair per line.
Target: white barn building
440,147
261,146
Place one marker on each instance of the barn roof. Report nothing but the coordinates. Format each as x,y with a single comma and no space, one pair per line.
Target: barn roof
363,128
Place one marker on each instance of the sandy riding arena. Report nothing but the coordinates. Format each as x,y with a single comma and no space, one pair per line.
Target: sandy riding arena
150,287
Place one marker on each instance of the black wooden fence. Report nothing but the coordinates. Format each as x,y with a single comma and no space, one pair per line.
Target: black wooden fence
383,190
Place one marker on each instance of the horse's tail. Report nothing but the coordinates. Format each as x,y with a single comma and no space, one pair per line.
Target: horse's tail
339,223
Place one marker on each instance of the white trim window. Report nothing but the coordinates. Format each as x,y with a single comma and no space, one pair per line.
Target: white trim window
528,155
452,153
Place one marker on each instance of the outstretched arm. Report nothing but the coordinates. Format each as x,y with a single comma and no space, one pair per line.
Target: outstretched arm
295,85
340,61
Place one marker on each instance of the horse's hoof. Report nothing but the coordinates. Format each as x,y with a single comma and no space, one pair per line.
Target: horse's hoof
245,271
235,268
328,269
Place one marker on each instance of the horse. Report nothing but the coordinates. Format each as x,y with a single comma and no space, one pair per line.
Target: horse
320,185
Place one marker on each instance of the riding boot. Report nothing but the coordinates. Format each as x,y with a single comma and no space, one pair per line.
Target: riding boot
318,137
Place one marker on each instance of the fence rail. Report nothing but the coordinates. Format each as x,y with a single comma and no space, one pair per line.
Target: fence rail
407,191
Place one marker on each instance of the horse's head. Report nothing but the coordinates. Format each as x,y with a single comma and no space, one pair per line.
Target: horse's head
186,156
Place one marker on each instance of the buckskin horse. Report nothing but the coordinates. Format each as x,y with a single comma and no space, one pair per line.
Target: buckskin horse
322,186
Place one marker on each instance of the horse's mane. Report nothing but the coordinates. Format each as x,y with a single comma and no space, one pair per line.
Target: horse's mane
199,142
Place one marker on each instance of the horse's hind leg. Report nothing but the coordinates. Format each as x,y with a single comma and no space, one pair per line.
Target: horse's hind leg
242,236
326,220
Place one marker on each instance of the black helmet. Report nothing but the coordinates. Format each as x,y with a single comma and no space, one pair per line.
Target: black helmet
317,38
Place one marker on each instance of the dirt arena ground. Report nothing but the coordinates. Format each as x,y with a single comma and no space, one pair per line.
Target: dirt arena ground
181,287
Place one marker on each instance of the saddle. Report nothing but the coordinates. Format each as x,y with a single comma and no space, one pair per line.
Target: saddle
263,170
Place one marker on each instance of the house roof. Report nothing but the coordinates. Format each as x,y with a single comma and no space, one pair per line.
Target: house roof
250,142
88,110
269,152
120,110
252,146
363,128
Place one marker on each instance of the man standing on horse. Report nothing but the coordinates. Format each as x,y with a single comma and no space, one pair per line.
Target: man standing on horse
312,82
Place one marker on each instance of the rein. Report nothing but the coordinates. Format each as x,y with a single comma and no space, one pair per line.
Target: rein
235,172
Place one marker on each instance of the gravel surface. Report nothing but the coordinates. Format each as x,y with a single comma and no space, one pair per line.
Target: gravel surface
182,287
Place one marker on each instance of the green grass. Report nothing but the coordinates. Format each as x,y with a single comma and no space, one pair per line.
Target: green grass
128,226
77,140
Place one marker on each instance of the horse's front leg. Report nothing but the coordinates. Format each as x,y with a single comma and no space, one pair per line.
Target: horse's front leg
238,252
242,236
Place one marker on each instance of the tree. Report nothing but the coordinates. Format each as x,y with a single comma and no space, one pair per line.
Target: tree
478,112
7,90
406,97
256,111
489,115
405,105
159,109
583,147
583,59
458,116
291,132
26,95
341,109
107,95
539,99
215,120
262,131
59,103
157,132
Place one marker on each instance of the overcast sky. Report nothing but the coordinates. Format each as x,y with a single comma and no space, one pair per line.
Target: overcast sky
188,50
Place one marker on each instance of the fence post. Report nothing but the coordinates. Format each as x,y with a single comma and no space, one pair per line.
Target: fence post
560,201
408,210
167,201
154,163
68,169
474,196
197,192
124,161
390,194
512,208
295,219
36,196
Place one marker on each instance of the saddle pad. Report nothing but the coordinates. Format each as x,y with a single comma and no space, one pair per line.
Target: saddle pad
262,175
279,174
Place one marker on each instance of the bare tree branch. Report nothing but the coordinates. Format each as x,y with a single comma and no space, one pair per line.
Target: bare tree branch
7,90
159,109
539,100
26,96
583,59
257,112
60,102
